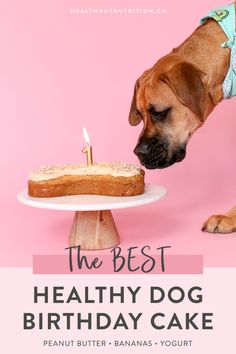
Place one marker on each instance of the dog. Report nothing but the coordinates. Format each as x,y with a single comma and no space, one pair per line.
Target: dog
174,99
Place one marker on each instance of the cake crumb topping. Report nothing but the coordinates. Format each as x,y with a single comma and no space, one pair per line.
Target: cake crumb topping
99,168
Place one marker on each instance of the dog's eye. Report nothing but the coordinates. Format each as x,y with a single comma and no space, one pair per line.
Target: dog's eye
155,115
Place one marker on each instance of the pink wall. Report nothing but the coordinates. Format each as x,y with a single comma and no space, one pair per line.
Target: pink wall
59,72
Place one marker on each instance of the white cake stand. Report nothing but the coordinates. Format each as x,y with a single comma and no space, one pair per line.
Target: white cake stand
93,226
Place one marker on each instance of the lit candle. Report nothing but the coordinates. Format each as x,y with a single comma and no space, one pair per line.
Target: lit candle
88,148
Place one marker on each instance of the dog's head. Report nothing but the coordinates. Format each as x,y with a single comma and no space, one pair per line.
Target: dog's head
172,104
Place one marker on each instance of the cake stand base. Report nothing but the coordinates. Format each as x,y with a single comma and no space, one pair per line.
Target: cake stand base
93,230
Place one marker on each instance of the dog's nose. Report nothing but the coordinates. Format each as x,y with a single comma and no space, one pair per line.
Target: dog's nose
141,148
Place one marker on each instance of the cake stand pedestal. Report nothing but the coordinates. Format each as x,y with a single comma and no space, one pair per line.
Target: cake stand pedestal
93,226
94,230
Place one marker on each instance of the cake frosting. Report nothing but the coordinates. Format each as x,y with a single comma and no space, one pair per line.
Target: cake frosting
102,168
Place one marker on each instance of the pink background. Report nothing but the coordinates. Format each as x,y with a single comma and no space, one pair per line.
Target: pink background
59,72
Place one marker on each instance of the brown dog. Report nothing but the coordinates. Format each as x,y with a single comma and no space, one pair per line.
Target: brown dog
175,97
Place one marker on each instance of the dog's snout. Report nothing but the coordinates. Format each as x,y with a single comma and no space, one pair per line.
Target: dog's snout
156,153
151,152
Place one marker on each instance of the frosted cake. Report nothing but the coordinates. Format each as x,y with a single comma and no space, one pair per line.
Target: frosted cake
114,179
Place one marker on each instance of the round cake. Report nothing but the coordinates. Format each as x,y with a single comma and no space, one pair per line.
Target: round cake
114,179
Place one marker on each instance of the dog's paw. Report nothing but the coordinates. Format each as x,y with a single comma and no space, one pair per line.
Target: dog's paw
219,224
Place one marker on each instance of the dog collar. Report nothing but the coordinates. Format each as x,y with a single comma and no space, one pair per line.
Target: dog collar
225,17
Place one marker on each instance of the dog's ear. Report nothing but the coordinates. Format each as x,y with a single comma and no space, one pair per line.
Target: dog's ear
186,80
134,117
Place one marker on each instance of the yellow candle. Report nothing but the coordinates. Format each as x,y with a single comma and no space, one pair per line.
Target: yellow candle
89,155
88,148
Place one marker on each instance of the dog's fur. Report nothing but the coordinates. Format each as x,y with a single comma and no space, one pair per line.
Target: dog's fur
175,97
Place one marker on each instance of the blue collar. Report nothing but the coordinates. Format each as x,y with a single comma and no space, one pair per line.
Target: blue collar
225,17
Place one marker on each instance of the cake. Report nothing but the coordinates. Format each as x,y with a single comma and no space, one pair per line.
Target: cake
114,179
